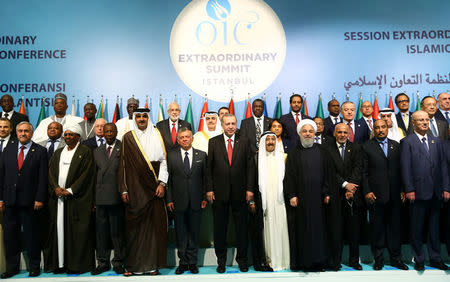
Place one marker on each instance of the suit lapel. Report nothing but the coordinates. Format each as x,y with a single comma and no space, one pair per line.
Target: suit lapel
420,145
236,147
223,147
378,148
265,125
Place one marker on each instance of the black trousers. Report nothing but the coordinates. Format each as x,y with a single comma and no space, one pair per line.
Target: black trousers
353,216
187,228
109,223
240,216
256,229
385,230
16,218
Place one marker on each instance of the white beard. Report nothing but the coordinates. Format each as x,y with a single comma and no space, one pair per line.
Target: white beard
307,142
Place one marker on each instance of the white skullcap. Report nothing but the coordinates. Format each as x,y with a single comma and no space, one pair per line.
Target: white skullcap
305,122
76,128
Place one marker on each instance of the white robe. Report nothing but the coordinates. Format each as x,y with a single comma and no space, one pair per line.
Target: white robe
64,165
123,126
40,134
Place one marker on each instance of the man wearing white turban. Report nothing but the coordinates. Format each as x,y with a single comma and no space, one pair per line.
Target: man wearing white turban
211,130
306,189
270,180
394,131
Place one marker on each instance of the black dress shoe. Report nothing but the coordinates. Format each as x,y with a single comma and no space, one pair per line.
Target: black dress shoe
59,270
119,269
400,265
267,268
8,274
100,270
356,266
220,268
419,266
336,267
73,272
35,272
193,268
243,267
181,269
439,265
378,266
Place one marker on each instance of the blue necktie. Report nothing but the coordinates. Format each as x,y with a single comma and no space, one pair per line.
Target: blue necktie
101,141
342,151
447,117
187,166
317,138
1,145
384,147
433,129
51,149
425,145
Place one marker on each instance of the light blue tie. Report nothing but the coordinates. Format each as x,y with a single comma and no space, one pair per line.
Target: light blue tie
425,145
447,117
342,151
433,129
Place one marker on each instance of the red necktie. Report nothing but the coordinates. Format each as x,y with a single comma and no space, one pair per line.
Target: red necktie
20,160
296,118
108,151
352,134
230,150
174,134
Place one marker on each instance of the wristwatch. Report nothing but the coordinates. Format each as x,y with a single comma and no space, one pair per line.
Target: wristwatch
162,184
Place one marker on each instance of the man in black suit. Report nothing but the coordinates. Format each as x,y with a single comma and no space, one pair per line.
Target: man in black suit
383,193
109,216
169,127
98,140
231,182
404,119
5,134
358,130
438,128
444,107
252,128
425,178
292,119
347,161
23,191
7,104
321,137
334,109
185,197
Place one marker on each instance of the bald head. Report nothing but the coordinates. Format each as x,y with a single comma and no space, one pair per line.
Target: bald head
444,101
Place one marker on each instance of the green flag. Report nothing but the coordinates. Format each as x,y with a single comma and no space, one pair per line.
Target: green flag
418,103
359,113
100,110
41,113
278,110
189,118
319,111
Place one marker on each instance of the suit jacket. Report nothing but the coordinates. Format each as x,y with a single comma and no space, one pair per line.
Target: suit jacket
12,140
60,145
325,139
29,184
328,124
362,132
15,119
291,127
442,127
401,123
166,133
440,116
364,123
84,134
106,189
230,182
248,130
186,189
381,173
91,143
424,172
349,169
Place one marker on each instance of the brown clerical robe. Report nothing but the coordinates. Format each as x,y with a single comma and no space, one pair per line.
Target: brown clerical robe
79,237
146,216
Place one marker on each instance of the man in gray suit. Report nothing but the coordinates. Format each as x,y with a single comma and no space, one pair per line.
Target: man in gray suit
185,197
55,140
109,219
438,128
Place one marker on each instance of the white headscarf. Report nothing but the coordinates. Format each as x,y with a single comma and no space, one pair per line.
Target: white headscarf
394,132
217,130
305,122
262,168
150,139
75,128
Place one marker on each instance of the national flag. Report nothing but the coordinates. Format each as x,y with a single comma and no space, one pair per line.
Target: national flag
231,107
376,109
100,113
116,116
278,110
78,108
105,110
319,111
358,111
161,111
146,102
120,109
265,105
391,103
418,108
248,112
189,118
22,109
73,109
204,110
304,109
41,113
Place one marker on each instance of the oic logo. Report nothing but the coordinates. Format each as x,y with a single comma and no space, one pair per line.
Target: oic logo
227,47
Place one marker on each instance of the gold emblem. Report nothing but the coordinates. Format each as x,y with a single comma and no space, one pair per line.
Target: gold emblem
432,141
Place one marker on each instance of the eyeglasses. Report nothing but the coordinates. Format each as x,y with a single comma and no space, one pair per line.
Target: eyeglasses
402,101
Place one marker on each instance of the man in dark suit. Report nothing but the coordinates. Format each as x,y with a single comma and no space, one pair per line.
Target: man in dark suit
382,190
334,109
5,134
98,140
292,119
347,161
321,137
7,104
367,110
185,197
169,127
425,178
404,119
109,216
231,182
358,130
438,128
55,140
23,191
253,127
444,107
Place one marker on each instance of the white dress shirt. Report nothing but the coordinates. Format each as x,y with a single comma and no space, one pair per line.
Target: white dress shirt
190,155
226,141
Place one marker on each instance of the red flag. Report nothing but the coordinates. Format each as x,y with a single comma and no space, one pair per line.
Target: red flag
376,109
391,103
248,112
204,110
305,107
231,106
146,103
22,107
116,113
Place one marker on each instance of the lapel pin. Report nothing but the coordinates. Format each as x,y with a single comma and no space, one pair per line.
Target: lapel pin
392,147
79,156
32,150
348,150
432,141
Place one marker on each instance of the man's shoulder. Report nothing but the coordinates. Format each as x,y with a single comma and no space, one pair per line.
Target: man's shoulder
162,123
75,119
89,140
286,116
199,152
38,147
